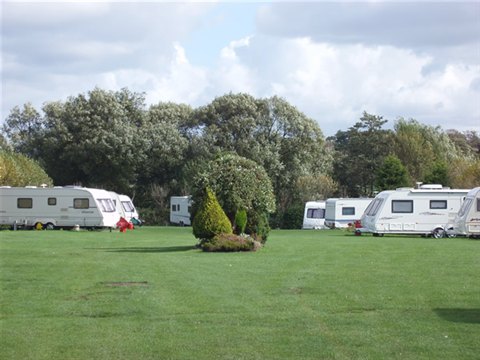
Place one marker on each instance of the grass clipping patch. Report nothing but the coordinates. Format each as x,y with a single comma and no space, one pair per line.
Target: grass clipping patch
230,243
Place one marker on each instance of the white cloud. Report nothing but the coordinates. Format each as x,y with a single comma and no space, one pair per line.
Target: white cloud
332,65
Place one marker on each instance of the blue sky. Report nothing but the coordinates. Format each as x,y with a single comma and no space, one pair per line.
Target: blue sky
332,60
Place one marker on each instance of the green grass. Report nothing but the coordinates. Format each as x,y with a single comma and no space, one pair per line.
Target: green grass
149,294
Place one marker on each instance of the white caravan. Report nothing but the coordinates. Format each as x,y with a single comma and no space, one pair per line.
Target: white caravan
180,210
340,212
128,208
467,221
118,204
125,207
49,208
314,215
427,210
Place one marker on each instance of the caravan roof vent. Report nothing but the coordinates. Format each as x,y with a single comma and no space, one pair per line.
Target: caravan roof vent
431,187
30,187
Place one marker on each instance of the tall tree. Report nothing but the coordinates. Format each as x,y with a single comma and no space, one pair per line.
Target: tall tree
24,127
392,174
360,152
93,139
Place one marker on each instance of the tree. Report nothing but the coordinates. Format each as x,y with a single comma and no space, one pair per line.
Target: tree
210,219
90,138
392,174
271,132
24,127
438,174
239,183
315,187
428,151
18,170
359,153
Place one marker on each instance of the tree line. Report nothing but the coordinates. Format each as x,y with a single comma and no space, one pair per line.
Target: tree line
113,140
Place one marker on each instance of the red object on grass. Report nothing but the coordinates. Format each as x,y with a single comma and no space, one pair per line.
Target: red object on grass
123,224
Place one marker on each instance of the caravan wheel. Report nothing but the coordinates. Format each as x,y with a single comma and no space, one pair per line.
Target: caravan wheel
49,226
438,233
38,226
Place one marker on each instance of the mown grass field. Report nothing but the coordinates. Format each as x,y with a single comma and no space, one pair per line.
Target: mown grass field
149,294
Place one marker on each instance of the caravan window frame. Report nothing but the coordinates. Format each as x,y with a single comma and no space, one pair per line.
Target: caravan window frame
465,206
312,212
52,201
438,204
478,204
396,210
128,206
79,203
351,210
375,206
24,203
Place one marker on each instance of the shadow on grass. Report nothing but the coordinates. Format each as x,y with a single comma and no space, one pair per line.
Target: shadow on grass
469,316
164,249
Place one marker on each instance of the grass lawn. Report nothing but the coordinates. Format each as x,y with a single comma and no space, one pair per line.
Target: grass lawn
149,294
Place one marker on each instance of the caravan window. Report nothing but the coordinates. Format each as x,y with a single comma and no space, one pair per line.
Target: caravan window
348,211
478,205
81,203
128,206
24,203
107,205
438,204
465,206
402,206
316,213
52,201
174,207
375,206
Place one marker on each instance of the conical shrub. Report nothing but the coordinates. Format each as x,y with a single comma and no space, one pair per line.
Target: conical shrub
210,219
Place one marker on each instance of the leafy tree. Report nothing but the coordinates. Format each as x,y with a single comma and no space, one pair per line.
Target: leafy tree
315,187
271,132
392,174
239,183
210,219
438,174
24,127
164,147
93,139
423,149
18,170
360,152
465,174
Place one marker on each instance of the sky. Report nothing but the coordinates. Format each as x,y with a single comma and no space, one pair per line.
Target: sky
332,60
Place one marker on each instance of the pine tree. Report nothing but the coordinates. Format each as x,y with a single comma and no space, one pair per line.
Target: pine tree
210,219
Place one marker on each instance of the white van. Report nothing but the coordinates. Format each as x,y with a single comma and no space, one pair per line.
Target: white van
48,208
341,212
314,215
427,210
180,210
467,221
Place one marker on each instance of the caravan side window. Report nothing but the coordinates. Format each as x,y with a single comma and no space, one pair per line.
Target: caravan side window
402,206
81,203
465,206
174,207
24,203
316,213
438,204
348,211
478,205
52,201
